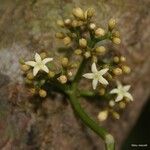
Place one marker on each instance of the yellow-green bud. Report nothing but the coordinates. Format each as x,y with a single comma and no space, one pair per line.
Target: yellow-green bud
51,74
111,24
111,103
30,76
116,40
27,81
126,69
99,32
64,62
116,34
101,91
32,91
92,26
62,79
83,43
89,13
74,23
67,40
60,23
70,74
42,93
43,55
87,54
25,67
67,22
116,115
78,13
122,59
116,59
78,51
100,49
122,105
117,71
102,115
59,35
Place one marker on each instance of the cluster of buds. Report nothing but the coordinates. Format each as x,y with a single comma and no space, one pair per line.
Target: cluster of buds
83,38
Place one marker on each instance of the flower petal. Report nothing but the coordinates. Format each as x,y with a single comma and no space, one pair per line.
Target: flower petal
31,63
93,68
103,71
127,87
94,84
35,70
44,68
114,91
119,98
129,96
103,80
46,60
119,85
38,58
88,75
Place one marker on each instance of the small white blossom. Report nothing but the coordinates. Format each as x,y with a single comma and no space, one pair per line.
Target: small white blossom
121,91
97,76
39,64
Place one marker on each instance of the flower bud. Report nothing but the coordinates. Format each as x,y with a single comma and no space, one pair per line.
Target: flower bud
32,91
116,40
60,23
78,13
116,59
62,79
126,69
122,105
117,71
99,32
116,34
30,76
111,103
83,43
70,74
67,40
43,55
111,24
59,35
67,22
116,115
102,116
87,54
42,93
27,81
102,91
64,62
92,26
89,13
100,50
51,74
74,23
122,59
78,51
25,67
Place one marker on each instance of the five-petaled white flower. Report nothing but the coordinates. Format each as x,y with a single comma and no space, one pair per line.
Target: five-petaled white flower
97,76
121,91
39,64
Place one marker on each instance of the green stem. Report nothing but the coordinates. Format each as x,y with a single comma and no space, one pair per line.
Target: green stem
109,141
80,70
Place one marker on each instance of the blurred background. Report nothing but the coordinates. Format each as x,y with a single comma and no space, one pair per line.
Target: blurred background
27,26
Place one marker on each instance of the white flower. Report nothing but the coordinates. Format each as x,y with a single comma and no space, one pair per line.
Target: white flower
97,76
121,91
39,64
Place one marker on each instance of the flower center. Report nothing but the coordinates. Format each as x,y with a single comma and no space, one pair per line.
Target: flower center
96,76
